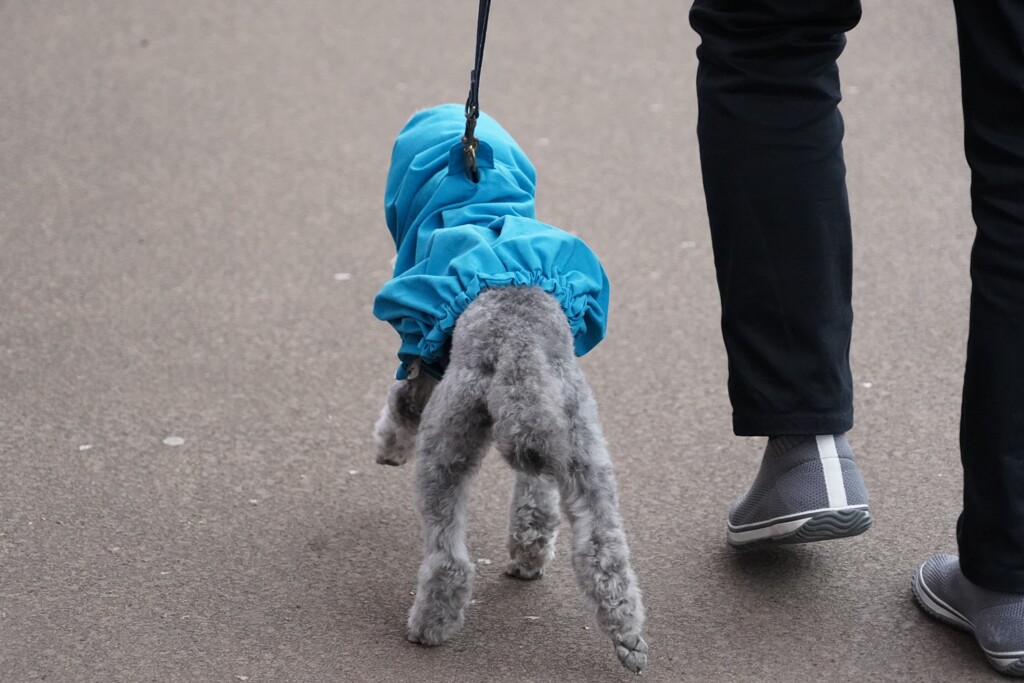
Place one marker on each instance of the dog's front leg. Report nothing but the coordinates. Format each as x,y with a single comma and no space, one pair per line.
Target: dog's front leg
533,525
399,421
454,432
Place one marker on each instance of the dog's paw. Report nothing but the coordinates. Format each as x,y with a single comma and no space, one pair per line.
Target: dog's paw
391,457
632,652
392,449
431,625
428,637
519,571
531,547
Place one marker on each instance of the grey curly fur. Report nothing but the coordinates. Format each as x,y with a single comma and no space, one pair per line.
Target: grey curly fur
513,379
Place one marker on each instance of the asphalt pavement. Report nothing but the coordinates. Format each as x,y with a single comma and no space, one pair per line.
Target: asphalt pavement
191,236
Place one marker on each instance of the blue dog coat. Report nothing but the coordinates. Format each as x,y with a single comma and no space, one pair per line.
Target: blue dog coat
456,238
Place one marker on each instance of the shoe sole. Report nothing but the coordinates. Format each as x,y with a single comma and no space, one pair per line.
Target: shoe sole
804,527
1006,663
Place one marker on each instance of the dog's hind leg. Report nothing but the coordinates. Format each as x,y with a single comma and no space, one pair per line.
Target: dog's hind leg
399,421
533,525
600,554
453,433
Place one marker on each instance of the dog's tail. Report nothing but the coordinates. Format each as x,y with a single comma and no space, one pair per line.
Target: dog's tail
520,337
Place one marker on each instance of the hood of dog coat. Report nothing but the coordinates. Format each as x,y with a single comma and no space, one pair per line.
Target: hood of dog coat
456,238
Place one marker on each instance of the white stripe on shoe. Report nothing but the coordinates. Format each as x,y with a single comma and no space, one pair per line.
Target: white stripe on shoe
771,531
832,469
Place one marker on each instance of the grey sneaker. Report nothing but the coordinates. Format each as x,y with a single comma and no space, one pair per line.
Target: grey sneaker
808,489
996,620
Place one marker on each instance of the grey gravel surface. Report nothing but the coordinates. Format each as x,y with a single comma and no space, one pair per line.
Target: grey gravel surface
191,235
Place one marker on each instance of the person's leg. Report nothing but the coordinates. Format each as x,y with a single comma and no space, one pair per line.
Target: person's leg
991,529
983,592
770,137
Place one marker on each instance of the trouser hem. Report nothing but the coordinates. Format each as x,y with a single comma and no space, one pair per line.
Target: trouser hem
1002,581
792,425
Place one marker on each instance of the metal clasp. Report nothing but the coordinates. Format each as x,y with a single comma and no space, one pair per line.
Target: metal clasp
470,143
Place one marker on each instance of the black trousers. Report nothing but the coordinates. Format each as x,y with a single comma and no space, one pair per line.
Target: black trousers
771,152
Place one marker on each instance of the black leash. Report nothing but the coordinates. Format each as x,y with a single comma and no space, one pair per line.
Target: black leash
469,141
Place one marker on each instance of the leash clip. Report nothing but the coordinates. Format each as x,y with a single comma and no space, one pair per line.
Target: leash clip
470,144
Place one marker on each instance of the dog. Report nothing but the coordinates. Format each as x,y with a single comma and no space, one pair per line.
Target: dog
496,362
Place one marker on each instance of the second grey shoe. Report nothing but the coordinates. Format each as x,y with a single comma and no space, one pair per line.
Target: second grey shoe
808,489
995,619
